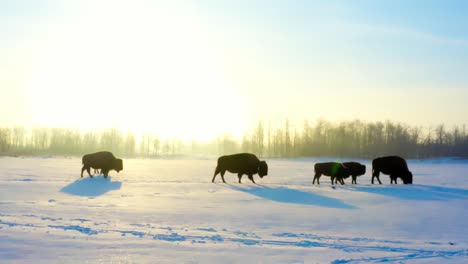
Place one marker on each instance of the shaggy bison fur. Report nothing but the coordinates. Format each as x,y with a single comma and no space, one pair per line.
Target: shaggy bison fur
355,169
104,161
335,170
394,166
242,163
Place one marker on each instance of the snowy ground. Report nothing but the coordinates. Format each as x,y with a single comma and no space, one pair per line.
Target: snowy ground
168,211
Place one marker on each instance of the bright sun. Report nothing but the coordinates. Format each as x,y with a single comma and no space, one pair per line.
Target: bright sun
145,73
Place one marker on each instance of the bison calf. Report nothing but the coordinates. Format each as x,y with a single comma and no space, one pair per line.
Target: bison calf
394,166
104,160
243,163
335,170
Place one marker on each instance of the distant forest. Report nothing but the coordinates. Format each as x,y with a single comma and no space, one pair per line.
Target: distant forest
353,139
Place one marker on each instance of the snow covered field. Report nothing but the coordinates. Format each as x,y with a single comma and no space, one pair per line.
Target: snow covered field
168,211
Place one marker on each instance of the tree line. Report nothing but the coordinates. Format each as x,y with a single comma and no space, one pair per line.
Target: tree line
357,139
353,139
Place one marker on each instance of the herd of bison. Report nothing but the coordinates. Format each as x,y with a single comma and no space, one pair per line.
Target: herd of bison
248,164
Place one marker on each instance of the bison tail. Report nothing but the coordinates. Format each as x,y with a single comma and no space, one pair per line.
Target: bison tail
83,159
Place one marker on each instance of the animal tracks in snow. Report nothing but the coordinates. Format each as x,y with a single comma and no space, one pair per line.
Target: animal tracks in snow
186,236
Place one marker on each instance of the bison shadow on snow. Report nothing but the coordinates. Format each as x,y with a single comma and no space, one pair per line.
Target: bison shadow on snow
285,195
416,192
92,187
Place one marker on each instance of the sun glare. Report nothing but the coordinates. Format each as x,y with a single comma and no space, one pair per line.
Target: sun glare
147,72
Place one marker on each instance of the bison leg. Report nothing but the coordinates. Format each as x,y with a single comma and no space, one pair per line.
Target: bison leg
317,176
375,174
83,169
340,180
335,179
89,172
354,179
105,173
222,176
251,178
215,173
239,175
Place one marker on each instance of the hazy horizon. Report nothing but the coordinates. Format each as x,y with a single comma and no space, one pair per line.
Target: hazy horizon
200,69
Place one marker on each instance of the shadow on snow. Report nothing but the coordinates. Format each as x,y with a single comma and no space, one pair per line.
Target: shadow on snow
285,195
416,192
91,186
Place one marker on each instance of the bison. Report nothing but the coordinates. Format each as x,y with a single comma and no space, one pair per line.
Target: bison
104,160
394,166
335,170
355,169
242,163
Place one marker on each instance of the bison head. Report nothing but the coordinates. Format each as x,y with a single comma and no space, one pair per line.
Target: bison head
362,170
262,169
118,165
407,178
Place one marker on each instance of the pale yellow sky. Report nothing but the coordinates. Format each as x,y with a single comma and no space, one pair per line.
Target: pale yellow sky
201,69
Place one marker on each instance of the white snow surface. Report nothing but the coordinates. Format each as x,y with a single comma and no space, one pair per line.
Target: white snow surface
168,211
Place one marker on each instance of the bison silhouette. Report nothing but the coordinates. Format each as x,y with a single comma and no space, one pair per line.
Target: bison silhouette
103,160
242,163
355,169
394,166
335,170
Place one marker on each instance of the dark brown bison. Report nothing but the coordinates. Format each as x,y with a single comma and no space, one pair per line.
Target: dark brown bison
104,160
243,163
355,169
394,166
335,170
